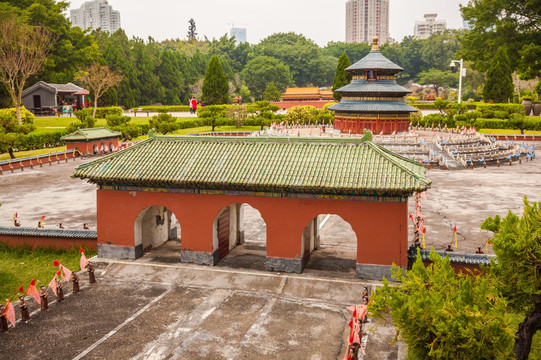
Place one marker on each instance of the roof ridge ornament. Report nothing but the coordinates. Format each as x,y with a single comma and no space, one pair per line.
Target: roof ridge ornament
375,46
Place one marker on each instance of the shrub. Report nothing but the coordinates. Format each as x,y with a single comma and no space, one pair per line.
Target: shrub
463,118
122,124
85,120
40,140
189,123
433,119
164,108
102,112
26,115
164,123
489,110
481,123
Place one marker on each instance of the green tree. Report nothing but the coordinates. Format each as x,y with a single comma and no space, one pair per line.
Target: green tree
438,50
513,24
171,77
292,49
85,120
122,124
272,93
260,71
443,315
74,48
237,113
411,58
244,92
437,78
99,78
146,57
192,33
499,84
517,244
23,51
164,123
341,77
354,51
11,132
212,115
215,86
118,54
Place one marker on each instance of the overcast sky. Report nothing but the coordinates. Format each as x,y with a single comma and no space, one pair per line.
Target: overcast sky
319,20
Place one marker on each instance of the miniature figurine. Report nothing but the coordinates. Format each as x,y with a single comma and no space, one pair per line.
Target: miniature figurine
24,309
43,294
91,276
75,280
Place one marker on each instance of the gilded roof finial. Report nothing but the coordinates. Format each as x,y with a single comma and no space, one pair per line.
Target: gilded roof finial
375,46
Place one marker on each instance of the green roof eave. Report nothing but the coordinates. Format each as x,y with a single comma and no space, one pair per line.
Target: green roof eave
91,134
286,165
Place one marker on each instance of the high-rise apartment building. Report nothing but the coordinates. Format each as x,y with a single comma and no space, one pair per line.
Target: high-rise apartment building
367,19
96,14
239,34
423,29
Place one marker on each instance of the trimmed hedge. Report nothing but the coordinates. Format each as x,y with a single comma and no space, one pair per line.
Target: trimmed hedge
432,106
502,111
102,112
190,123
40,140
164,108
481,123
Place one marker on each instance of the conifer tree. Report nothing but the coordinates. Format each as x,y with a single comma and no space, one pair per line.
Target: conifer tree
341,77
192,30
272,93
215,86
499,84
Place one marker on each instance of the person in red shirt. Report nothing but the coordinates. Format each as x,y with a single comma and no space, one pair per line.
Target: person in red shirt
194,105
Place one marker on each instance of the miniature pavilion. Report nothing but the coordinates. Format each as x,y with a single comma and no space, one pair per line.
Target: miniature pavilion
373,100
202,181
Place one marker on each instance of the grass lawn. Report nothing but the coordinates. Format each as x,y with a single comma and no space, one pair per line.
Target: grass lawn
19,266
508,132
5,156
53,121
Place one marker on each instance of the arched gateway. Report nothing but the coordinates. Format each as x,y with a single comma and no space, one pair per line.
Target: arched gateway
290,181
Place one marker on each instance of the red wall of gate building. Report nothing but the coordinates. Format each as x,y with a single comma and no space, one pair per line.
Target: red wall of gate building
381,227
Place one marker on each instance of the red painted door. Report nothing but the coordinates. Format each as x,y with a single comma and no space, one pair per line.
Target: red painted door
223,232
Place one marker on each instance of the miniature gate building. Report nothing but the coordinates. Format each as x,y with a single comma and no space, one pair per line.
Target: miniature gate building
373,100
203,181
92,140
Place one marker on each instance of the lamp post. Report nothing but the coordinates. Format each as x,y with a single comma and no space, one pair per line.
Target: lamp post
460,74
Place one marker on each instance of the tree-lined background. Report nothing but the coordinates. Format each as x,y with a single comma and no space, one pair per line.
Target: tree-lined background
171,71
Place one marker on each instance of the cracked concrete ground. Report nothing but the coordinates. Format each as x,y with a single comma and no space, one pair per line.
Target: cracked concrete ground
141,310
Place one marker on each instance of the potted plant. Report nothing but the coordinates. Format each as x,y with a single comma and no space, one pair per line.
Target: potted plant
527,102
537,104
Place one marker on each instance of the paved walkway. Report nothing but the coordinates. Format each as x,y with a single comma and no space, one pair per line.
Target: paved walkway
141,310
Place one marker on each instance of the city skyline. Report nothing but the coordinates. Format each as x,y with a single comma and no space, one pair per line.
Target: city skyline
168,19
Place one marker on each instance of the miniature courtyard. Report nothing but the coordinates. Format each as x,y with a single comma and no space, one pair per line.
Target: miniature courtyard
234,309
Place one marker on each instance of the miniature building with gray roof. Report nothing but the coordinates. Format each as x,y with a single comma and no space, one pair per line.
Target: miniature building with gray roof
373,100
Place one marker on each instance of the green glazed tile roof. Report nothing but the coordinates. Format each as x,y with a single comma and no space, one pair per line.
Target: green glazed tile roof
91,134
286,165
